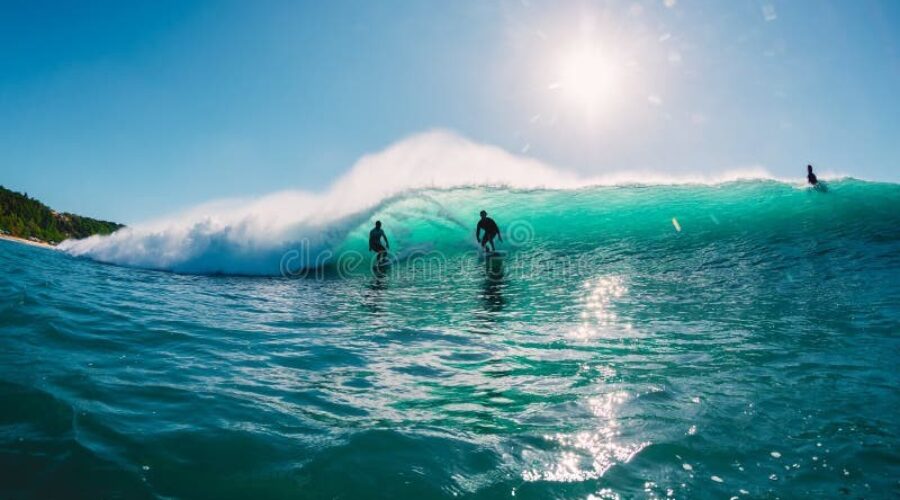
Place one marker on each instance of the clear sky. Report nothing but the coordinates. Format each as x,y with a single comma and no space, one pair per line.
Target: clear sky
129,110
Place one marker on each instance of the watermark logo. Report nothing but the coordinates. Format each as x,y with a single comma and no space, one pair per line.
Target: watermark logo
520,234
524,258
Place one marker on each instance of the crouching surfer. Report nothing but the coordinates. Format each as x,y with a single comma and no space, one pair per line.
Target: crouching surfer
491,231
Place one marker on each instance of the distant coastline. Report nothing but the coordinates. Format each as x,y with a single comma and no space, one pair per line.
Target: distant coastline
26,220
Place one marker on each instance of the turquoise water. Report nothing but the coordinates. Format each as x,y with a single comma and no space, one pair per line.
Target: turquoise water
635,342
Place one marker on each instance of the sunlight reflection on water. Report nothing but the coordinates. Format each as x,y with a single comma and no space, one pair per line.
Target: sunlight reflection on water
589,454
598,313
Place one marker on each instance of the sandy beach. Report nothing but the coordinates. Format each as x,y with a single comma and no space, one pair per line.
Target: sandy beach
26,242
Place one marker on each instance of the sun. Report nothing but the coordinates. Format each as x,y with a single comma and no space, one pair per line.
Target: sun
588,71
589,78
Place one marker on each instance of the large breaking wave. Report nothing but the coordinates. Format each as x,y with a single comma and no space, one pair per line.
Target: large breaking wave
432,180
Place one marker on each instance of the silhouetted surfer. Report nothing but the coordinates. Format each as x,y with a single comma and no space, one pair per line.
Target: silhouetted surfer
375,237
810,176
490,229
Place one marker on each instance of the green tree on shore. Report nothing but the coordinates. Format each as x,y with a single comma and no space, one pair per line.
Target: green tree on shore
25,217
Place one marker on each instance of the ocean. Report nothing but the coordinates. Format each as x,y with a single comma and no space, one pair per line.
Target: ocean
738,339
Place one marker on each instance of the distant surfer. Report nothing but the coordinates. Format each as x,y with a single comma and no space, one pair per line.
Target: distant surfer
491,231
375,237
810,176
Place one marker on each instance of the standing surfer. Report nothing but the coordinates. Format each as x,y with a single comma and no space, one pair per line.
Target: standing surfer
375,237
810,176
490,229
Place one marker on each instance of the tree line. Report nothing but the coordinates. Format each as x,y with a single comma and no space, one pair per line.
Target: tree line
26,217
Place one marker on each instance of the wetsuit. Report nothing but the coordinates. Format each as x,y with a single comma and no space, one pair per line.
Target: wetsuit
375,237
490,231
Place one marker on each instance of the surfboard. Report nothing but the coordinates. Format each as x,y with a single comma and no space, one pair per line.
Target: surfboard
493,255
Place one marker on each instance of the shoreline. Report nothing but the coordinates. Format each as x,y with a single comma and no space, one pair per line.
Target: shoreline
23,241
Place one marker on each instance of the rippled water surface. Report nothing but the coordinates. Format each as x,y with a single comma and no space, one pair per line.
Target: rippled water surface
752,353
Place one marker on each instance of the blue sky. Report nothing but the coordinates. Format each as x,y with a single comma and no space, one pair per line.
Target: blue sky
130,110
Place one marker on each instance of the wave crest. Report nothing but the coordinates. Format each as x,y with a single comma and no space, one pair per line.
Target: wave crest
250,236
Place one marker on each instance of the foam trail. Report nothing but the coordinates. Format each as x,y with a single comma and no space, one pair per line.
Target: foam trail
249,236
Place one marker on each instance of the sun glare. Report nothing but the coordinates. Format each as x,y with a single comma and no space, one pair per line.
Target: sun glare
587,71
589,78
